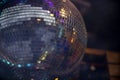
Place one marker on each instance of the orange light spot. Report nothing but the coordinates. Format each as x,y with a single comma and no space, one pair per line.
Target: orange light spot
64,0
72,40
74,33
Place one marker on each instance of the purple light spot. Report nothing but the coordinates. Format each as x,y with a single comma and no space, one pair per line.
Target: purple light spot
57,13
62,20
50,3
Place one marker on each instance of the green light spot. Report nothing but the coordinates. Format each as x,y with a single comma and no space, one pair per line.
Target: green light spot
8,62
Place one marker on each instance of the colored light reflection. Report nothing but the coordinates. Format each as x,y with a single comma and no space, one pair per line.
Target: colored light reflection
72,40
38,19
63,13
19,65
38,62
60,32
50,3
64,0
28,65
43,58
3,1
3,60
74,33
52,15
8,62
56,78
12,64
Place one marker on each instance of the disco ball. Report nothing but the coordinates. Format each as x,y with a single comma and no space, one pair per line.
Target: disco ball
47,36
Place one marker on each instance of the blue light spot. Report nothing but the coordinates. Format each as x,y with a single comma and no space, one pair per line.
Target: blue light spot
3,60
60,32
8,62
28,65
19,66
12,64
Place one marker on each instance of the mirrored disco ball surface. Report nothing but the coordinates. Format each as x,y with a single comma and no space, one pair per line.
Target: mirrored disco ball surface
41,37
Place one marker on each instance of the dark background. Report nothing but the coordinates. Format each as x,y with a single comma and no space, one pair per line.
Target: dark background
102,22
